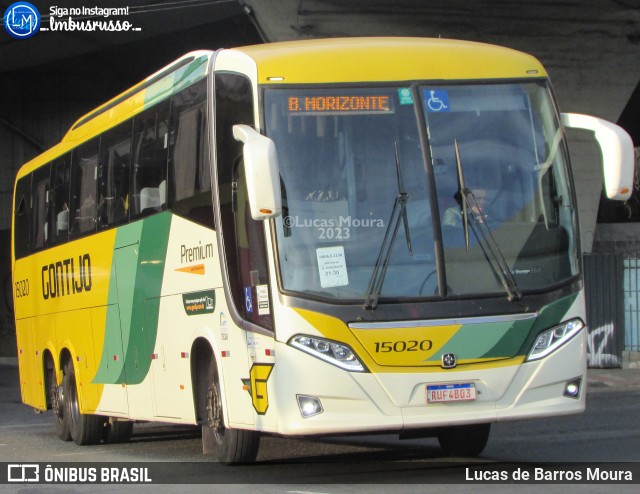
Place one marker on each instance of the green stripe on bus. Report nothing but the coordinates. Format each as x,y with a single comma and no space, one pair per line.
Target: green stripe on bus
550,316
176,81
193,72
134,291
483,340
521,336
120,303
503,340
148,286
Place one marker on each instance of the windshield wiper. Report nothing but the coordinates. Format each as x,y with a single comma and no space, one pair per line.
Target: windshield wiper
462,194
472,217
399,212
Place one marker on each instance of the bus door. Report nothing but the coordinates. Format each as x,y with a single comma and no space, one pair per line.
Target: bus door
245,257
171,364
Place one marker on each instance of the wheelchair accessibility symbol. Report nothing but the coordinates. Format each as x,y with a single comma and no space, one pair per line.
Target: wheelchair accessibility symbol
248,299
438,101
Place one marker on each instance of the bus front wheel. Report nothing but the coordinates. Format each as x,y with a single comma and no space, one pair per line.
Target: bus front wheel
464,440
85,429
228,446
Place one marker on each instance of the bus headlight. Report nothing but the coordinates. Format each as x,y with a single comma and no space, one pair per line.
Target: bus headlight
332,352
552,339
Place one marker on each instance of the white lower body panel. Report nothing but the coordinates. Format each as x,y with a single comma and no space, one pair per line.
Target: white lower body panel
362,402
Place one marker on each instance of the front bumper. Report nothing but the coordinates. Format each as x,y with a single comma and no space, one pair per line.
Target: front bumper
396,401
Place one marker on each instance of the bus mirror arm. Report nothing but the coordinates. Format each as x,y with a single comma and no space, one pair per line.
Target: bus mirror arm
261,172
618,162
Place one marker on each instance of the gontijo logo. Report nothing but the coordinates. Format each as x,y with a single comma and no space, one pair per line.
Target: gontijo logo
21,20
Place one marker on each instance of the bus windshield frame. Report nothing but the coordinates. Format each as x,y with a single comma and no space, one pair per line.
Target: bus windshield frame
347,154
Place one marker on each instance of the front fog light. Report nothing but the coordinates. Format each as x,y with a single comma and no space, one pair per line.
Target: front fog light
309,406
572,388
552,339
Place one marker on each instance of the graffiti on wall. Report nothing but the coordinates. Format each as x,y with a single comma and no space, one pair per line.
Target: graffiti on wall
601,347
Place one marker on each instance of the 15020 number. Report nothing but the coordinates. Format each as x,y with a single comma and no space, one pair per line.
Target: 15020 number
22,288
403,346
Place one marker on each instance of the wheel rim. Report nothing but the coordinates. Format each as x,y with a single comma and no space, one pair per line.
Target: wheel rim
214,412
57,396
73,401
57,401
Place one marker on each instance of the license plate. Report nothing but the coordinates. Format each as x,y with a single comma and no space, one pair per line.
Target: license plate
445,393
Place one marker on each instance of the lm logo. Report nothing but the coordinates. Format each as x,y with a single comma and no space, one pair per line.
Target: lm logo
21,20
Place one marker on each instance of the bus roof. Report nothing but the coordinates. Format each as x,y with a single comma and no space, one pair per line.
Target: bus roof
155,88
335,60
387,59
329,60
171,79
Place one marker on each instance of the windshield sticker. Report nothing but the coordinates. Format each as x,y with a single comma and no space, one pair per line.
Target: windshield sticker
262,294
437,100
332,266
405,96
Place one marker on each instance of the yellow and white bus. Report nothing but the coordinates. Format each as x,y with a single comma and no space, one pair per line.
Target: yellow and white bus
305,238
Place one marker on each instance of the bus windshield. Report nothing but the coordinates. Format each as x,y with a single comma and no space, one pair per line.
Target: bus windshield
355,175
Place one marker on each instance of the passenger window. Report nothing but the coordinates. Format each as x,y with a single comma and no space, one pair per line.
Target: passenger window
59,200
113,176
22,221
40,204
149,175
84,171
190,174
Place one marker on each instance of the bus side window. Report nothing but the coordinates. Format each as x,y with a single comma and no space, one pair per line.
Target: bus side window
84,170
40,207
22,221
113,176
189,170
149,171
59,200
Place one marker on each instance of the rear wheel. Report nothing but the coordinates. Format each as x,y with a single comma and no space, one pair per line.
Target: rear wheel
464,440
56,401
229,446
85,429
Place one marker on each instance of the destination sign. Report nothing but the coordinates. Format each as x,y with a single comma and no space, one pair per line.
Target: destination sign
336,104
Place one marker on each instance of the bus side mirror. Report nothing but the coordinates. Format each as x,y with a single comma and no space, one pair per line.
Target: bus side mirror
618,160
261,171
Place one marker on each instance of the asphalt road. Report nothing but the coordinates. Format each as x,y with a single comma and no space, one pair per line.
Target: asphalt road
609,431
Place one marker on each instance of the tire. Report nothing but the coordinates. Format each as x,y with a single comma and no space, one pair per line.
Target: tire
464,440
57,403
117,431
228,446
85,429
